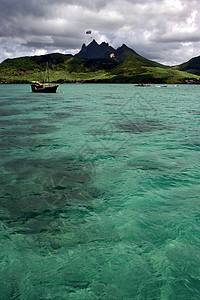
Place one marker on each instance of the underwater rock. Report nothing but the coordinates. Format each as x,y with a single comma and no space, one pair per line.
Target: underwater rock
140,126
35,190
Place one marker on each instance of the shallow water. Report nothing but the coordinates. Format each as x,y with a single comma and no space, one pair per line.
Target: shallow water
99,193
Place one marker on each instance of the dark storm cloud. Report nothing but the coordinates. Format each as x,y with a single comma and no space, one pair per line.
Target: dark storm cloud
165,30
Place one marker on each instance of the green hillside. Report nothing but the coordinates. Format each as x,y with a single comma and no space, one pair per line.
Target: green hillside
126,66
191,66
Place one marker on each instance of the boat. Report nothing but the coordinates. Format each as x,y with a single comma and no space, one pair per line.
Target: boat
38,87
47,87
161,86
142,84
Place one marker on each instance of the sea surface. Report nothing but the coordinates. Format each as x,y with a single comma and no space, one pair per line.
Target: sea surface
100,192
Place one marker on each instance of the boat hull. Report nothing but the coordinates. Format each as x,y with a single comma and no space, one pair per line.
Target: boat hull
43,89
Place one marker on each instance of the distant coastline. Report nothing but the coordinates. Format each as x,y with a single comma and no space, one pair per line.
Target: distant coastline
98,64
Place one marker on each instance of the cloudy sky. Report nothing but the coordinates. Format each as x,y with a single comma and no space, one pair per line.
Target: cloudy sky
167,31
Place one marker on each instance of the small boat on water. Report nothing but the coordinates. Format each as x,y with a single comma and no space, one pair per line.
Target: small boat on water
161,86
142,84
38,87
47,87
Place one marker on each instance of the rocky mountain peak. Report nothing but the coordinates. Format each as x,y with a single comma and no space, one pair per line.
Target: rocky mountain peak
95,51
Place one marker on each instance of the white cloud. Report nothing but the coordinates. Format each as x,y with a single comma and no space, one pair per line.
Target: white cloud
38,52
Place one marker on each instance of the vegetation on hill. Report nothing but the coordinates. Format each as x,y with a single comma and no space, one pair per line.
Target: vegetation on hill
93,64
191,66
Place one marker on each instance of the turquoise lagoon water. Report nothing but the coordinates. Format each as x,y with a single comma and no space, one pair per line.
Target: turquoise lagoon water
99,192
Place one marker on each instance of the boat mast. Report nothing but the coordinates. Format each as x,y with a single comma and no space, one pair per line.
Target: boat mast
48,71
40,73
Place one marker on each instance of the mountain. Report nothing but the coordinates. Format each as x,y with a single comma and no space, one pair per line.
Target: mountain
191,66
132,62
93,64
95,51
124,52
103,51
